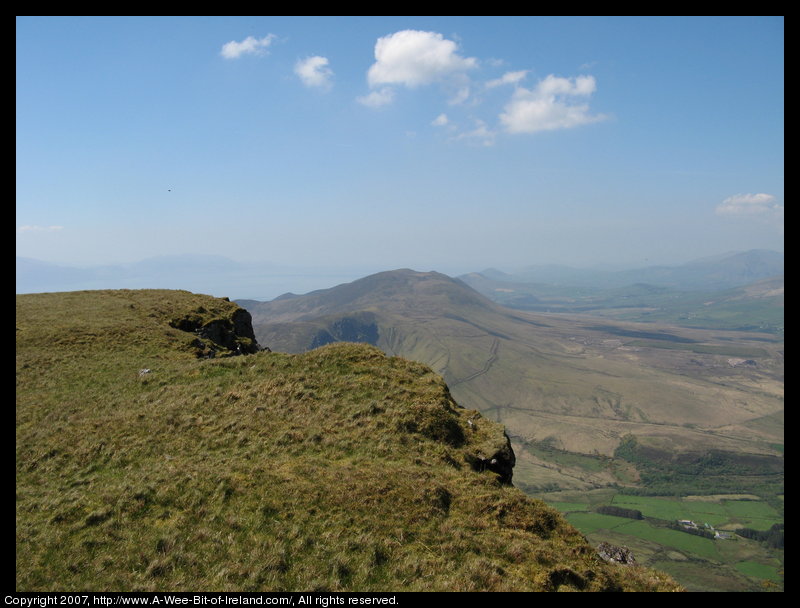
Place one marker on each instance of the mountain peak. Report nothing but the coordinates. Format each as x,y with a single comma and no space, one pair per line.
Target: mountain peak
391,290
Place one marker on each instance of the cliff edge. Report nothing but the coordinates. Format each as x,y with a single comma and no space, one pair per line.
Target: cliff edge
141,466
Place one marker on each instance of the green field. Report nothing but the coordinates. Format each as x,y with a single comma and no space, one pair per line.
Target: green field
748,352
688,543
569,507
699,563
746,513
758,570
591,522
696,545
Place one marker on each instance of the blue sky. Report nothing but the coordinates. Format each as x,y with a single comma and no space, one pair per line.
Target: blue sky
436,143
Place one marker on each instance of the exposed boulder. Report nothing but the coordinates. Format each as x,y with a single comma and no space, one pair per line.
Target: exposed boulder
223,336
616,555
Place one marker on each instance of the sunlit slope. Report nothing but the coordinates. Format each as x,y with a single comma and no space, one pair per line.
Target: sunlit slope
578,383
144,464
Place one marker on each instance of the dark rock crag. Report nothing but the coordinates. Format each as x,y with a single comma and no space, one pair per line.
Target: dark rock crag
500,460
217,336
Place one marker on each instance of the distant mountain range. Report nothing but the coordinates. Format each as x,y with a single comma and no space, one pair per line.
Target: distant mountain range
35,276
208,274
221,276
711,273
735,291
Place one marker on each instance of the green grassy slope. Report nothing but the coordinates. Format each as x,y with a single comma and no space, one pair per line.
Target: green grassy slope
339,469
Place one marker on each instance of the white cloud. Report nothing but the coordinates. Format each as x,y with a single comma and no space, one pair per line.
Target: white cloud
40,228
314,72
763,205
460,96
248,46
481,134
413,58
507,78
580,86
550,105
378,98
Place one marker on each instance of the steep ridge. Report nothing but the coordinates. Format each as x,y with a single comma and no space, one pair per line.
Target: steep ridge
143,465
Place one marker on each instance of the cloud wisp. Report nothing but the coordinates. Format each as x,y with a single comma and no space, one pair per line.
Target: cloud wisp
248,46
507,78
376,99
751,205
34,228
480,134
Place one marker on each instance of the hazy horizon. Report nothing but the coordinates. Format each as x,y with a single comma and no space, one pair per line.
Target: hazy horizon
225,276
436,143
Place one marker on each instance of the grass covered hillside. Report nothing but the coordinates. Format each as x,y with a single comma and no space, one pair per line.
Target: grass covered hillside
147,458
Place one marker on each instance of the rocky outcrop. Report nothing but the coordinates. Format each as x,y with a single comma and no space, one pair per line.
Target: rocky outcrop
494,452
500,460
219,336
616,555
